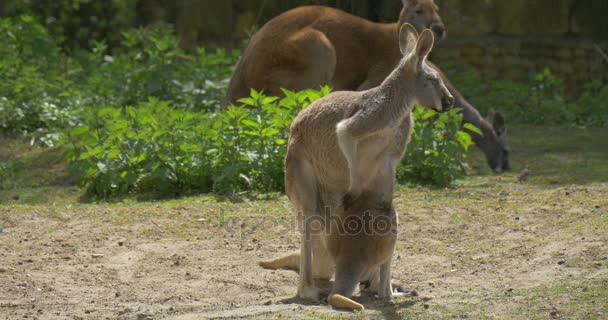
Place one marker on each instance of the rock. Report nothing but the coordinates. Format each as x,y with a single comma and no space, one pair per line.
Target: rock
125,311
143,316
267,303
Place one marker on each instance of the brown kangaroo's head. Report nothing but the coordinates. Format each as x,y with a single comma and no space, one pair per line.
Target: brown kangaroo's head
429,89
423,14
498,157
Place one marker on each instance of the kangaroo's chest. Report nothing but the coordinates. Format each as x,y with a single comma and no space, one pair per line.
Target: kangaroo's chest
393,139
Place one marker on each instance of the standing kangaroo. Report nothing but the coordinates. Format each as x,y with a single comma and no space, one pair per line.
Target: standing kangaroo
349,142
312,46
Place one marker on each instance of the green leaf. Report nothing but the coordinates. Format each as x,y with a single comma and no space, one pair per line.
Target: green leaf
248,102
473,129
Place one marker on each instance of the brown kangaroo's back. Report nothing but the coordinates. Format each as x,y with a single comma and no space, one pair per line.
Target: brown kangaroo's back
310,46
313,45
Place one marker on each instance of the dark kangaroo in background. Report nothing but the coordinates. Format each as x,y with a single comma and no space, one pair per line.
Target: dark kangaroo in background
313,45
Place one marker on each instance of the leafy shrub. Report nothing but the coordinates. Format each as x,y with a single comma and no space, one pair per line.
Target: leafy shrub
159,150
45,91
593,106
75,22
151,64
31,72
163,151
437,152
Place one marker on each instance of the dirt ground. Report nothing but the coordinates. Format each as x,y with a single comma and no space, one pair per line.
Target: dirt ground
480,251
489,248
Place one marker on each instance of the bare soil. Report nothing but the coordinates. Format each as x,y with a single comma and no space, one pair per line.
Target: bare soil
489,250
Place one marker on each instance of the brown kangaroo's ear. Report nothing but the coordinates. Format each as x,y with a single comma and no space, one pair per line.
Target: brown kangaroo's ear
499,123
425,44
408,38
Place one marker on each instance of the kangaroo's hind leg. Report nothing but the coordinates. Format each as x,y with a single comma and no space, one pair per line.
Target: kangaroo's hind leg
301,188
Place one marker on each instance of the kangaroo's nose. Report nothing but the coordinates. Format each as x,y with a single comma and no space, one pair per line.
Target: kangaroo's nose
439,30
447,103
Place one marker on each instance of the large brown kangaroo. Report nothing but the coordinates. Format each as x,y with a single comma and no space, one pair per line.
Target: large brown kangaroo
350,142
312,46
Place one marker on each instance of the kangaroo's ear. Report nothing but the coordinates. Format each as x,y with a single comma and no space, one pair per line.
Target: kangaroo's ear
425,44
499,124
408,38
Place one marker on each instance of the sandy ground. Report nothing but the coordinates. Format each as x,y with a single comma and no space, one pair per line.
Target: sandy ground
467,252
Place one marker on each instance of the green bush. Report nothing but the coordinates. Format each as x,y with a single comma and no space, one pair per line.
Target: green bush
146,119
31,71
592,105
44,90
163,151
437,152
156,149
76,22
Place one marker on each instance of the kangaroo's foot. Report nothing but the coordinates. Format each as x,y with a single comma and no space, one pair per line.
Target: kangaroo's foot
289,262
341,302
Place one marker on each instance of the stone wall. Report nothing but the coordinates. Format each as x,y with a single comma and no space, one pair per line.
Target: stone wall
511,39
514,39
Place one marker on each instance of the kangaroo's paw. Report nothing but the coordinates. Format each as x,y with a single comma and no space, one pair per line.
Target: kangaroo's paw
341,302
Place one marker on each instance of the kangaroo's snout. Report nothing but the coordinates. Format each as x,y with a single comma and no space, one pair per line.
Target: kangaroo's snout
447,103
439,31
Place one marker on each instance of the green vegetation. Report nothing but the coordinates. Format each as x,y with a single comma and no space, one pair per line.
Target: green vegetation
438,150
540,102
147,119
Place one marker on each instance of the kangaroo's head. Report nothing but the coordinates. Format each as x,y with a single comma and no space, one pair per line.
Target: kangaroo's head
423,14
428,88
498,154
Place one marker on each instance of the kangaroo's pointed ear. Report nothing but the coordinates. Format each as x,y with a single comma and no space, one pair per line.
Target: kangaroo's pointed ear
499,124
408,38
425,44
